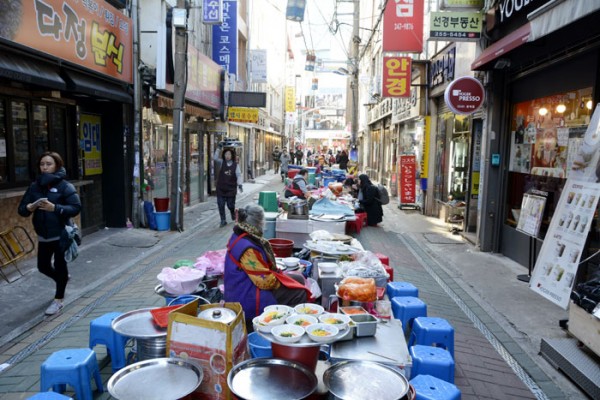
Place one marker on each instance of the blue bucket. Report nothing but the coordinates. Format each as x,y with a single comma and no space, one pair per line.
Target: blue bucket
259,346
163,220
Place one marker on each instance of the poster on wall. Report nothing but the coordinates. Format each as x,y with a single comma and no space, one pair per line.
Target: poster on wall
90,129
530,216
558,260
407,187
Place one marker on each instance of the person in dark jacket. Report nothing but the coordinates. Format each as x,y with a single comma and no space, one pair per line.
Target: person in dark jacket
52,201
228,183
368,197
343,160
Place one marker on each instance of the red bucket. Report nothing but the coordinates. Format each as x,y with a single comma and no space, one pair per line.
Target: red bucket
161,204
292,173
282,247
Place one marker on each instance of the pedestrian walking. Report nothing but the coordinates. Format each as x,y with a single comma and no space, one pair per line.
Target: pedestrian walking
52,201
343,160
299,154
276,159
228,182
285,162
368,198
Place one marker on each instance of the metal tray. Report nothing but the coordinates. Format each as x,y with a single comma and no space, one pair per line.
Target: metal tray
156,379
365,380
271,378
138,324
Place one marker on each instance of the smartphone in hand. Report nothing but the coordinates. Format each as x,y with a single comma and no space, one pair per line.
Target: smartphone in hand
39,202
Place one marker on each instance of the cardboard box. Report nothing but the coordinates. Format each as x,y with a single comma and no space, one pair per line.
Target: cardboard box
585,327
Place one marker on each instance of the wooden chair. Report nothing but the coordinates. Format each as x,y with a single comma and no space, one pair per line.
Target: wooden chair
15,244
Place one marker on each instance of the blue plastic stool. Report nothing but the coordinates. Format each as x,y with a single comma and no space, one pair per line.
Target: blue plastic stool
401,289
101,332
430,331
429,387
434,361
49,396
259,346
406,309
74,367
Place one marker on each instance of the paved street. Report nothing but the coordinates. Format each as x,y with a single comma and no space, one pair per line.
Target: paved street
498,321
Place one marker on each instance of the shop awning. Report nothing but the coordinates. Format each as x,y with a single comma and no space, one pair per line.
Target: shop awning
502,46
30,71
559,16
87,85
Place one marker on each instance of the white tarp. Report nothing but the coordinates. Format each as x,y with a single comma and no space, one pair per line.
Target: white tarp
561,15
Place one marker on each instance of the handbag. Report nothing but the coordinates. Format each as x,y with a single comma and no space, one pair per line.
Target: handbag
70,239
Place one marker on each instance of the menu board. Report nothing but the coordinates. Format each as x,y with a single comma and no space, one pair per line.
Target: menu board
532,211
556,266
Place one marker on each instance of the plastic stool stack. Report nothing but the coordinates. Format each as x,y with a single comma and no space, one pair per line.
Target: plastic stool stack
101,332
429,387
406,309
434,361
74,367
385,260
401,289
49,396
353,226
429,331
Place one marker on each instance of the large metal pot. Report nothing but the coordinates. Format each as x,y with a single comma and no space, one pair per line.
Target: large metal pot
366,380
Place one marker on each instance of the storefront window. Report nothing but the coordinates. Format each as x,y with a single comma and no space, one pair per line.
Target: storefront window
459,159
545,136
20,136
40,128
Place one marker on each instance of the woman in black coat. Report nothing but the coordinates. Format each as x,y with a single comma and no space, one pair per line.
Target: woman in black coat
368,197
52,201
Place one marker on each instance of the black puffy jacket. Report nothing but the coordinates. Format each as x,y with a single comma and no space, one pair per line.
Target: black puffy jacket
58,191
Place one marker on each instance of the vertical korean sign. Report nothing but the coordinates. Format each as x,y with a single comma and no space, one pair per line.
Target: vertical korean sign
90,137
290,99
225,38
408,170
557,263
403,26
212,12
91,34
396,76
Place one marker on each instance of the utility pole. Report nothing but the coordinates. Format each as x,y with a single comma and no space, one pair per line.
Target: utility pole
180,84
137,119
355,62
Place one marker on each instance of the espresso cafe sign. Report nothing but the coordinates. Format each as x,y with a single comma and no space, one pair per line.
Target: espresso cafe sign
464,95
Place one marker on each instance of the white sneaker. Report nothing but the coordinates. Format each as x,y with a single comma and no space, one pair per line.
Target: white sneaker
54,307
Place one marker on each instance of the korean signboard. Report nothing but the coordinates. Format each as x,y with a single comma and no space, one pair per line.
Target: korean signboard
290,99
90,129
204,79
396,76
408,171
403,26
91,34
258,65
558,260
225,38
212,12
455,26
243,114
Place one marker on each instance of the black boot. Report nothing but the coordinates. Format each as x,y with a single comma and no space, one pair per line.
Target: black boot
223,223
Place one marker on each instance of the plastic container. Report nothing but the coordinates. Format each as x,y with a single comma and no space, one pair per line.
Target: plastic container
161,204
292,173
259,346
268,201
270,224
327,181
282,247
163,220
311,178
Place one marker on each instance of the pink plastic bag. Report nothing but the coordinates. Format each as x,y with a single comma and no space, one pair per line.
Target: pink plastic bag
213,262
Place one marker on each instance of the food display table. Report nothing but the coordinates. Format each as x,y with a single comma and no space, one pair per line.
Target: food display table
388,346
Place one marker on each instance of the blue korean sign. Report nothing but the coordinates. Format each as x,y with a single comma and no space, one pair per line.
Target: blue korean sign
212,12
225,38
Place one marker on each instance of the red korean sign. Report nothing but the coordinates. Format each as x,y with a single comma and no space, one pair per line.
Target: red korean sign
403,26
88,33
396,76
407,187
464,95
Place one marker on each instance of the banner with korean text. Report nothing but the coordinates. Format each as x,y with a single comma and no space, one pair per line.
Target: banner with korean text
408,171
91,34
225,38
396,76
90,135
290,99
243,114
403,26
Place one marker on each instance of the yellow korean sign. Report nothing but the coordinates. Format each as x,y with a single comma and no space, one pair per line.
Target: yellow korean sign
90,129
290,99
243,114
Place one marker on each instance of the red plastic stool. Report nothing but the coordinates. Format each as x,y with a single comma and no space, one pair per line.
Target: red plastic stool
385,260
362,217
353,226
390,272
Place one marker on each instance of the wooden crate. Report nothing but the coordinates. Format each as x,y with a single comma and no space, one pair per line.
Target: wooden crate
585,327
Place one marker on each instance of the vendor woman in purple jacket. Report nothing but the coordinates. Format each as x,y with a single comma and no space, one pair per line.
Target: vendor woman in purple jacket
251,277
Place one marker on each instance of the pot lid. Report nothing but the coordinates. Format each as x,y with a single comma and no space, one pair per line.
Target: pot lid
219,314
377,381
